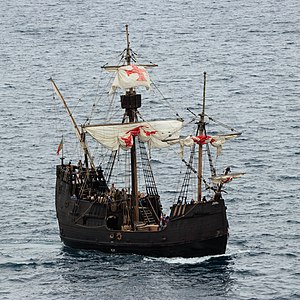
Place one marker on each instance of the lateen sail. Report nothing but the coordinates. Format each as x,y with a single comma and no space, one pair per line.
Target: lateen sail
129,76
120,135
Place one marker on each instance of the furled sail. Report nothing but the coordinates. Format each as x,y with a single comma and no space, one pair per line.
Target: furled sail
121,135
216,140
221,179
129,76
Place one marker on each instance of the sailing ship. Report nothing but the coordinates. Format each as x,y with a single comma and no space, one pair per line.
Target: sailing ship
94,213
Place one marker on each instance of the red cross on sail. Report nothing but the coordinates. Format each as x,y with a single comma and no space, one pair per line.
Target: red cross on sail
137,131
137,70
202,139
128,141
149,133
130,76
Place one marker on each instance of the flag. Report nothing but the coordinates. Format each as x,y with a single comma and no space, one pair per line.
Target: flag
60,146
130,76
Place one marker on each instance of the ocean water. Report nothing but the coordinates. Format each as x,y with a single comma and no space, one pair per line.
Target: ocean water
250,51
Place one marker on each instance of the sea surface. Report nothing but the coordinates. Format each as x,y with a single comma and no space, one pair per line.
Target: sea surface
250,51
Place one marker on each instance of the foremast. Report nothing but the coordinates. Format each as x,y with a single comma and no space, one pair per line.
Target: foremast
201,127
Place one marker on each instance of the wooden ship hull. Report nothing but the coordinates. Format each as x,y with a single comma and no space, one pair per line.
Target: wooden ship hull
193,230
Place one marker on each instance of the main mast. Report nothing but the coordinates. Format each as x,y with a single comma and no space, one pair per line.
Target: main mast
201,130
131,101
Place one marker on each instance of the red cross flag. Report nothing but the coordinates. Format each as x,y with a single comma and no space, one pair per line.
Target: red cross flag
130,76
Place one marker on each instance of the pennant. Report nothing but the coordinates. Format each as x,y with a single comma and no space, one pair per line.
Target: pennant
60,146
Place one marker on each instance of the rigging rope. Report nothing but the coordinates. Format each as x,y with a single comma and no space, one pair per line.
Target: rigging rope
220,123
104,93
164,98
195,172
142,118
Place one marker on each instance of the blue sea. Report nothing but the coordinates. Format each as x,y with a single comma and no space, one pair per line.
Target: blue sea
250,51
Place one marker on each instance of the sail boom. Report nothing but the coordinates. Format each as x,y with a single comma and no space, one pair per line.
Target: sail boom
115,68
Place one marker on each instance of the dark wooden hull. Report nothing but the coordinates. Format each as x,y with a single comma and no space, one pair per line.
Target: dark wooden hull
199,248
194,230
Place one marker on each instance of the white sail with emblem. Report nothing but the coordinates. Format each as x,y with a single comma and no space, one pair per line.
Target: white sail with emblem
129,76
121,135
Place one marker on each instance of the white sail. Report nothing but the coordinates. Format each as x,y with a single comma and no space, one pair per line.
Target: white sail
216,140
117,136
221,179
129,76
